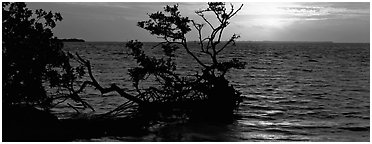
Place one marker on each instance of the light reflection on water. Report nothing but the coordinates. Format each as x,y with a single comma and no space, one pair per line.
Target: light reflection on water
292,92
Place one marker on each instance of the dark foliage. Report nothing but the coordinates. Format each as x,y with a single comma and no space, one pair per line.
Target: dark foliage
33,58
208,93
27,42
33,61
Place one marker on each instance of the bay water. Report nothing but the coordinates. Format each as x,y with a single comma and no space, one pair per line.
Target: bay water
292,91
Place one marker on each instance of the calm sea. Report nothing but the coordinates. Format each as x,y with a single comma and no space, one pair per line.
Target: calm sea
292,92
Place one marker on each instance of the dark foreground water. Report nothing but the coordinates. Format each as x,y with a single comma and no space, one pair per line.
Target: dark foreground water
292,92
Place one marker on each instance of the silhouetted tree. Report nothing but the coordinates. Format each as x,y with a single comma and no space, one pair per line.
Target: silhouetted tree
33,57
33,61
207,94
211,87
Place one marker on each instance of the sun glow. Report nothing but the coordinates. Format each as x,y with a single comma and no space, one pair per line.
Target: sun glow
273,22
279,15
266,15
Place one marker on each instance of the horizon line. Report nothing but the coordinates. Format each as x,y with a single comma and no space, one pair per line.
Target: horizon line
252,41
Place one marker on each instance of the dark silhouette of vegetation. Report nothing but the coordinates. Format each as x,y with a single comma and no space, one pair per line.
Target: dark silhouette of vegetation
33,58
33,62
206,95
26,45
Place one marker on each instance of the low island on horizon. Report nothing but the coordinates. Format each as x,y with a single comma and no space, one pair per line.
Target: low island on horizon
72,40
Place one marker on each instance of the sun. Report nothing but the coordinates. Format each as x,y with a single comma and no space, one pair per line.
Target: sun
268,15
273,22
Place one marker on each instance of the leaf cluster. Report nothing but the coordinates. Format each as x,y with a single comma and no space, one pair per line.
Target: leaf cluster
210,85
33,57
170,26
160,67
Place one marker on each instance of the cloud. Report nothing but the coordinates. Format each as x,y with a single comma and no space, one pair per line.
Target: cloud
305,10
327,11
100,4
280,15
302,11
256,21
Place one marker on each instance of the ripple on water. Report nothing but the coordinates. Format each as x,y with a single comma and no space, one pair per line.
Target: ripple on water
292,92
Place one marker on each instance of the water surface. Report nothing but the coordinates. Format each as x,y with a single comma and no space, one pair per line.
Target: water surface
292,92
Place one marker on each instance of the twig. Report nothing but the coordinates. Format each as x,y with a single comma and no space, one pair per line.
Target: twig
113,87
73,107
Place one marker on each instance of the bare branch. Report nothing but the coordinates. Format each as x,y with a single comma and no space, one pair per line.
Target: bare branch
232,40
199,28
113,87
217,15
73,108
236,11
192,54
205,19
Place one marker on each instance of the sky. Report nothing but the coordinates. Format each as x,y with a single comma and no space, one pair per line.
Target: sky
265,21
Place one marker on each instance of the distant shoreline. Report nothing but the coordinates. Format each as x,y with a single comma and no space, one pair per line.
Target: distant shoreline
72,40
320,42
286,41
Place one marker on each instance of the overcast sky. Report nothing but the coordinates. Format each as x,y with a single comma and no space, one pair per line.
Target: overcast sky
338,22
